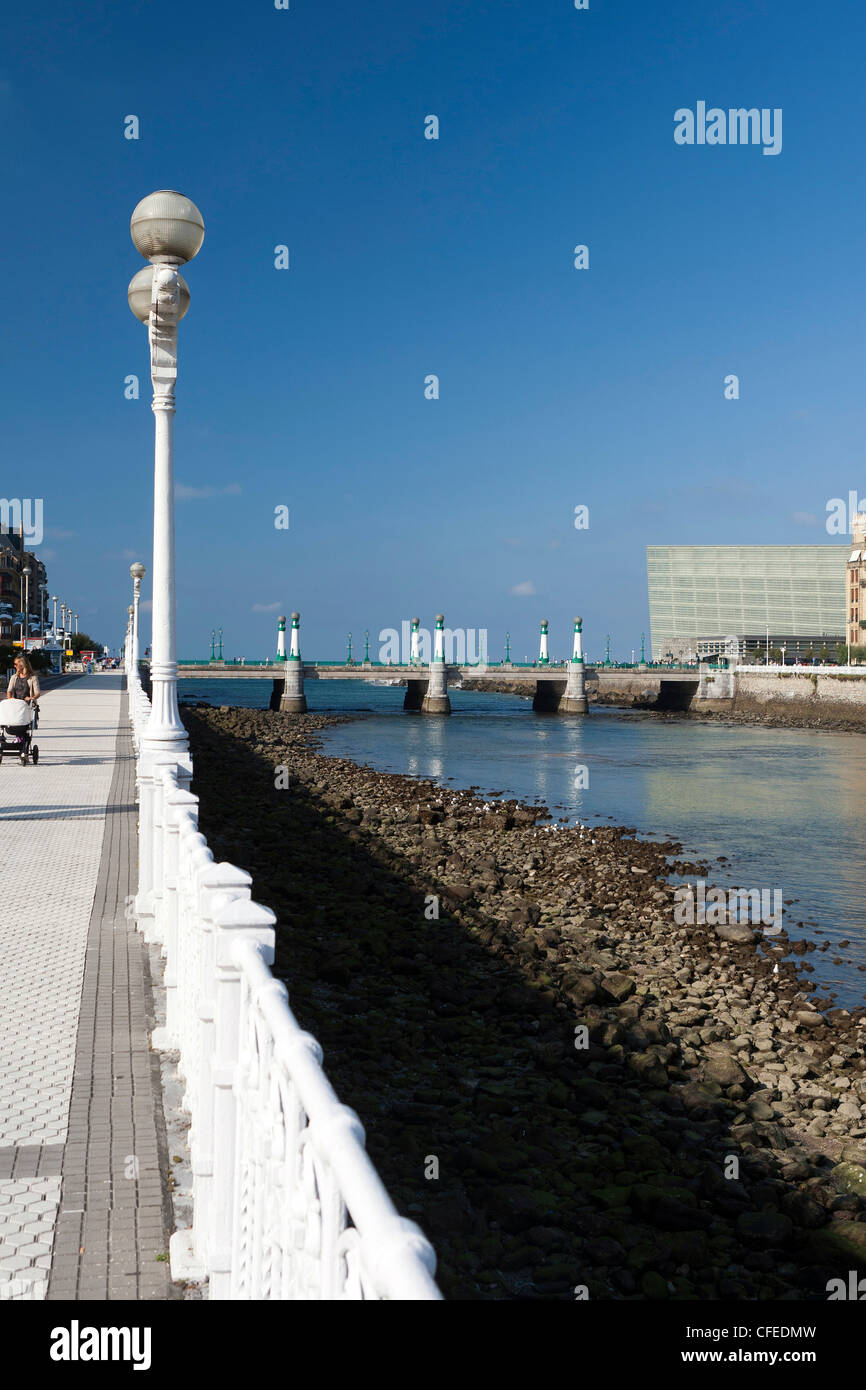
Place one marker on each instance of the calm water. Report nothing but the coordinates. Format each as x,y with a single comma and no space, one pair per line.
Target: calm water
785,806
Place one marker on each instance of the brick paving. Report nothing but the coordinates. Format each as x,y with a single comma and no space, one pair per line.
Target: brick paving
83,1207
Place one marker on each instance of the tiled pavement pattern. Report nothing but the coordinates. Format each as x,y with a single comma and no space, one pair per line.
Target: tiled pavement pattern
79,1089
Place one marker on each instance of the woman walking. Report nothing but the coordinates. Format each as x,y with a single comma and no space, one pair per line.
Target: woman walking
24,684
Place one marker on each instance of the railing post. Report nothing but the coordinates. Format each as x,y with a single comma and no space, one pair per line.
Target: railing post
250,922
194,857
219,885
150,882
181,807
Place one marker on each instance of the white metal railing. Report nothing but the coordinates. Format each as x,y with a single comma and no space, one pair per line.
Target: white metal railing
286,1202
776,668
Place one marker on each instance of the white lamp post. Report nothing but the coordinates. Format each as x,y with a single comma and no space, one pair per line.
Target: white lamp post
138,572
54,624
76,624
167,229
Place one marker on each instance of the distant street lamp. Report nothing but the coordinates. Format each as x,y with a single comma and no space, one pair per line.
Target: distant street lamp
25,626
508,648
349,647
76,624
42,587
54,624
168,230
221,645
367,646
213,644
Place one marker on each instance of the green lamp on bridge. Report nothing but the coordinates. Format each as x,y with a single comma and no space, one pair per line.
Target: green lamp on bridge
212,645
643,649
607,651
367,646
508,648
349,650
221,645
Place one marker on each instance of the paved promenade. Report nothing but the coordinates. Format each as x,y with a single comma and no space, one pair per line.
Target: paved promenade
82,1208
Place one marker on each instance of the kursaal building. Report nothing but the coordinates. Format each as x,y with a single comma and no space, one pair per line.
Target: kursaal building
729,599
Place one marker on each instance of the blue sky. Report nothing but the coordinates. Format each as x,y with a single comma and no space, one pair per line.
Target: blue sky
408,257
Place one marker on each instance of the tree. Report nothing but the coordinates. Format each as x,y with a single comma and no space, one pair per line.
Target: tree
38,660
83,642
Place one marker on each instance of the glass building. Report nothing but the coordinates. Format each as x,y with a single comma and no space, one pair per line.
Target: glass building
702,596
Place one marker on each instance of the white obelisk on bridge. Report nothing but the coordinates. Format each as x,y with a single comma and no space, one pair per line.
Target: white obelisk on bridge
436,700
543,656
574,699
293,698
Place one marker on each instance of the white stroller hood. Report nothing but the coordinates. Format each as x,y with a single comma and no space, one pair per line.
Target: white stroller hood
15,713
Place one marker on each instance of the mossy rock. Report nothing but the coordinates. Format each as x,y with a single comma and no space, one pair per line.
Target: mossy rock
613,1196
654,1286
840,1244
850,1178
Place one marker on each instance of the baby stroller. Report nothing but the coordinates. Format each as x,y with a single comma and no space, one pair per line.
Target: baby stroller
17,721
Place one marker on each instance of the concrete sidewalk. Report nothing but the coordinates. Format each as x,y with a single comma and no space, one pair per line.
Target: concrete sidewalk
83,1212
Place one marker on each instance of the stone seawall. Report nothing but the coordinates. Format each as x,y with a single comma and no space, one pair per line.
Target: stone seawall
801,699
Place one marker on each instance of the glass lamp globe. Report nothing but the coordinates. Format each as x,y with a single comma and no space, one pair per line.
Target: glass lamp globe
140,289
167,227
137,570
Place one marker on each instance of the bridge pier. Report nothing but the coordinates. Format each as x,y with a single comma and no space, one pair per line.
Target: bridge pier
573,700
547,697
293,699
436,699
414,698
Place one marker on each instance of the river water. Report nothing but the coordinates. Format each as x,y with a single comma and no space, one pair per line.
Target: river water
785,806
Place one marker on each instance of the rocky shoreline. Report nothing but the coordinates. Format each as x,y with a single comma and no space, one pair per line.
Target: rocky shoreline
563,1087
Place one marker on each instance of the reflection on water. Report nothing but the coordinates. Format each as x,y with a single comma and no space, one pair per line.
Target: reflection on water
784,805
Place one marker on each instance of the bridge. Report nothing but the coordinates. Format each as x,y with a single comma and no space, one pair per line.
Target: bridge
556,687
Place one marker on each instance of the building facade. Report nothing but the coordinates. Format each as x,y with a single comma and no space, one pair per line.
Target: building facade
707,598
857,583
14,590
